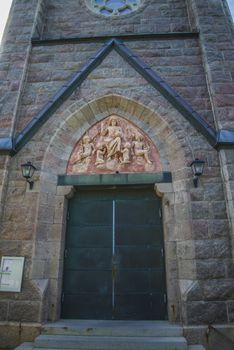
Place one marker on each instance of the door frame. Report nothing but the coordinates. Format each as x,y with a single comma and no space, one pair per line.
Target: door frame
115,179
175,199
162,183
149,187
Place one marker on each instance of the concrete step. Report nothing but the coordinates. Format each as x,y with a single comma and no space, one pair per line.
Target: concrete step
109,343
196,347
25,346
113,328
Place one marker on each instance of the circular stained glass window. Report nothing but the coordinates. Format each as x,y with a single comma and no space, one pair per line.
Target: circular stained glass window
113,7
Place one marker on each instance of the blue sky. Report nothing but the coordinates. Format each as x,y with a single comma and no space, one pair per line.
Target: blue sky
4,10
231,6
5,7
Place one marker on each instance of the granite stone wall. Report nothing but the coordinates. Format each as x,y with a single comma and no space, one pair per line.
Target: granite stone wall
217,43
178,61
198,222
77,20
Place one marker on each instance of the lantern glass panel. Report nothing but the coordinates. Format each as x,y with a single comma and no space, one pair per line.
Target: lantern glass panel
197,167
27,170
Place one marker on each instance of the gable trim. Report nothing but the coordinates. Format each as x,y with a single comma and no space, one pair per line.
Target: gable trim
199,123
126,37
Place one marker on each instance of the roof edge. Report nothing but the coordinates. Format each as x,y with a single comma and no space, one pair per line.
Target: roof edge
222,138
225,139
167,91
6,146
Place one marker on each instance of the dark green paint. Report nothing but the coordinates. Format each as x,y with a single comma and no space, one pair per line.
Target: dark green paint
114,179
136,269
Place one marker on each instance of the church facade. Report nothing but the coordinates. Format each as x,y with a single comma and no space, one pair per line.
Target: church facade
113,104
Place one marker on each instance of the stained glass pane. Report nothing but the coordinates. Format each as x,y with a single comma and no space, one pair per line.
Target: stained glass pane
115,4
100,2
125,11
105,12
113,7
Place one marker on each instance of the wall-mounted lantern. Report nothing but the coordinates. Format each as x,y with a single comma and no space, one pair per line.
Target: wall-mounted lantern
27,172
197,168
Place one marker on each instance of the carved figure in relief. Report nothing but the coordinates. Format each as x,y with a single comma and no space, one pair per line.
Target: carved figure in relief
86,151
113,134
100,153
126,152
141,149
114,145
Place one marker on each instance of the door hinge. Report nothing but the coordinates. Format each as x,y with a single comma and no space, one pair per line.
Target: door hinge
68,215
160,213
62,298
165,298
65,253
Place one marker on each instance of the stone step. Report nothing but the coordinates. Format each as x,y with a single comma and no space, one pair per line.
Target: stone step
25,346
109,343
29,346
113,328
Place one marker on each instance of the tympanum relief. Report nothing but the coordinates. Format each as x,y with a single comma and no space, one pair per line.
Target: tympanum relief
114,145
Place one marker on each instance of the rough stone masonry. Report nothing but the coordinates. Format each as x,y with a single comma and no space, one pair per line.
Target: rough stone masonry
43,114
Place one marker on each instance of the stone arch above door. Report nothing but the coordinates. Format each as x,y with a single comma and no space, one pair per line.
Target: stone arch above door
82,115
174,152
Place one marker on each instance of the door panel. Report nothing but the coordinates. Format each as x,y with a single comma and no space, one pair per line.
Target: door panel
87,283
89,236
140,306
88,258
87,306
90,212
136,212
143,234
114,265
139,257
130,281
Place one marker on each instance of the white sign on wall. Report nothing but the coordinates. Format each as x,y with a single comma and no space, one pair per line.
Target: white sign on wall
11,273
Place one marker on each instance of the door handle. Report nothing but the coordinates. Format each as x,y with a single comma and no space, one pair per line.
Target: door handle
115,265
114,272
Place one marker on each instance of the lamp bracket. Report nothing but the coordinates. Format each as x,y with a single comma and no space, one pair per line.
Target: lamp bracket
195,181
31,183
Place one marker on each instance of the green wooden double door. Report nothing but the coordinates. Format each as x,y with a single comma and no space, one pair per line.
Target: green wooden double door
114,256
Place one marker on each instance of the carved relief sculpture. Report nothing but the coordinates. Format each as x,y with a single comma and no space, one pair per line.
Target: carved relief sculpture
114,145
141,149
113,138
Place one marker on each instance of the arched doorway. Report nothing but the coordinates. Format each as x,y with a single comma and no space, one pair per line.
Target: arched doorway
173,195
114,255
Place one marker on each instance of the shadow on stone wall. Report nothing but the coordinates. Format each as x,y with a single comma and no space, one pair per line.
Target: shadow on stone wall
219,339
